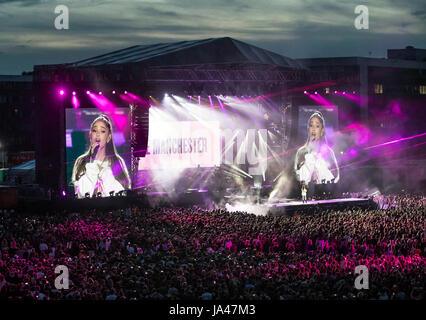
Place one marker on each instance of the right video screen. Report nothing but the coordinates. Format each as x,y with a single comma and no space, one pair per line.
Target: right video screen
315,160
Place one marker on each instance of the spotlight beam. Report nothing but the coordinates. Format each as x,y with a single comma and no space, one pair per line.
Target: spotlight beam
241,171
380,155
396,141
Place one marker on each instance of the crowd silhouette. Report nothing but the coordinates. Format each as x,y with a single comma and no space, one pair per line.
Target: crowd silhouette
181,253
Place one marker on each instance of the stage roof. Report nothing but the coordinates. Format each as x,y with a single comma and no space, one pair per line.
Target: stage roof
196,52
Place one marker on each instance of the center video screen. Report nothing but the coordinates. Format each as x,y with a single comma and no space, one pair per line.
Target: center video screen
97,151
210,143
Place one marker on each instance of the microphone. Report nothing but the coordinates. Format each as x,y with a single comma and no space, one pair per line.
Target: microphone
94,153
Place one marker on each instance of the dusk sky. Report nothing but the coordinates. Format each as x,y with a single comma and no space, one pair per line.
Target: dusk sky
294,28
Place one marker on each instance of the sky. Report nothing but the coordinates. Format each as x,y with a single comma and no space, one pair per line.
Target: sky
293,28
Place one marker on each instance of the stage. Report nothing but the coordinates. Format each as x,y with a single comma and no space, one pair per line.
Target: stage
205,200
291,207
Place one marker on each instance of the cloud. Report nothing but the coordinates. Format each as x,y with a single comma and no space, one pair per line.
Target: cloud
25,3
295,28
419,13
22,46
150,11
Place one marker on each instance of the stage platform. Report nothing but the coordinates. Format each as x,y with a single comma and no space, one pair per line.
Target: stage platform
291,207
250,204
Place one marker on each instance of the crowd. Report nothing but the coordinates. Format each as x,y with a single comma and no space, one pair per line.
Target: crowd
176,253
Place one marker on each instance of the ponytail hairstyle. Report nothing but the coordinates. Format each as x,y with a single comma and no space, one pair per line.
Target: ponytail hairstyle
117,164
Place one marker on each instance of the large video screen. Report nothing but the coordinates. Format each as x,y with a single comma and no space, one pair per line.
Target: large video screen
201,143
315,160
98,151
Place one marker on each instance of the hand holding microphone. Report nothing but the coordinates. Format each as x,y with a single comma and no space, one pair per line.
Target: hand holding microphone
314,143
94,153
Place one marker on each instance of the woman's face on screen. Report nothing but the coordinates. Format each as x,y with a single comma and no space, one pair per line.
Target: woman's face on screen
99,134
315,130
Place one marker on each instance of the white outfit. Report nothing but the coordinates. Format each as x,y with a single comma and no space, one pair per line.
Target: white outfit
98,176
315,167
314,163
304,191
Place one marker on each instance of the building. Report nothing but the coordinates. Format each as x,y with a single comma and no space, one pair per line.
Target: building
17,121
409,53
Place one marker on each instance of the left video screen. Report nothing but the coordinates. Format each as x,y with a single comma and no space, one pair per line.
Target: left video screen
98,151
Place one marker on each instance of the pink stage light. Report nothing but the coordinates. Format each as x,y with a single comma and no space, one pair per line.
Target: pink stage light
321,100
352,97
61,92
100,93
138,99
73,93
396,109
380,155
126,99
305,92
113,91
362,134
109,108
396,141
88,92
75,102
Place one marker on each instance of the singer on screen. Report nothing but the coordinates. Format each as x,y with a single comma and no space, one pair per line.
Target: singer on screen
100,169
315,161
